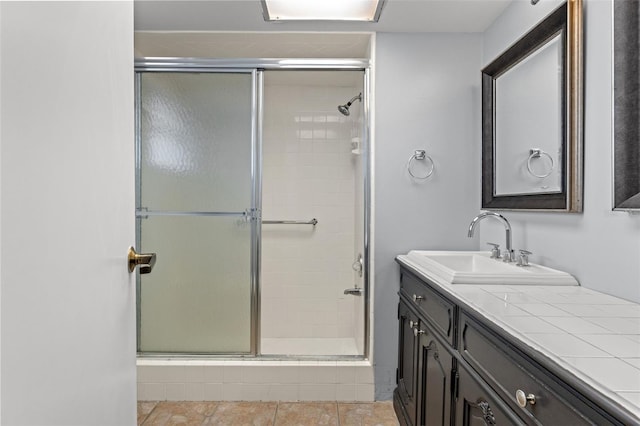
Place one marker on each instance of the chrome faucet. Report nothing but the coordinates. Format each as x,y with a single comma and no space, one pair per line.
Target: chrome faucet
509,255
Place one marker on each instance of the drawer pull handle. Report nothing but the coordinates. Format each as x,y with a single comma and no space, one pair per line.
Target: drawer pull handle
523,398
417,298
417,331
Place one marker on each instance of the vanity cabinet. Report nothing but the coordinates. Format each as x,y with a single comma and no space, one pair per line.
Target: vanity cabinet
406,374
456,368
425,367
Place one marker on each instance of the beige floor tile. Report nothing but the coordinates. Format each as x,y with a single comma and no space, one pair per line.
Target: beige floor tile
307,414
180,413
371,414
144,408
266,413
243,414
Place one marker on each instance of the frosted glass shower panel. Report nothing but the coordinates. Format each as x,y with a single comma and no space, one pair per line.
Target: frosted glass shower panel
197,300
196,134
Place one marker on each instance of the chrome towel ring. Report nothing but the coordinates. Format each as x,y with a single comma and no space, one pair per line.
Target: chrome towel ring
538,153
420,155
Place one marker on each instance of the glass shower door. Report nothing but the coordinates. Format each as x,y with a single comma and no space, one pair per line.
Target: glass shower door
195,162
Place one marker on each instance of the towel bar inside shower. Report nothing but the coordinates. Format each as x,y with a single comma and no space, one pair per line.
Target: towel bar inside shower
313,222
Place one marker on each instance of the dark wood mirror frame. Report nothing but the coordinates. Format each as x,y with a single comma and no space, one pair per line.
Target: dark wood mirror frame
626,101
567,19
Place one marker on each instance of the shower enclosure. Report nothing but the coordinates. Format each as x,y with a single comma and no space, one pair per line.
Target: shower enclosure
251,189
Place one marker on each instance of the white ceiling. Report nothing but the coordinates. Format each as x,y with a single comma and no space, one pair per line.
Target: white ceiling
246,15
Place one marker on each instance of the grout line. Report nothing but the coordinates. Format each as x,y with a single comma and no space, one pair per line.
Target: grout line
149,414
337,413
214,411
275,414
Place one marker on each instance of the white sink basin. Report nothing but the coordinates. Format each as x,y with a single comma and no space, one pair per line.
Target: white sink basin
476,267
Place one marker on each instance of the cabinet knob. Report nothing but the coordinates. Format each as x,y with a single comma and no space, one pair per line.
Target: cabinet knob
524,399
417,298
417,332
411,323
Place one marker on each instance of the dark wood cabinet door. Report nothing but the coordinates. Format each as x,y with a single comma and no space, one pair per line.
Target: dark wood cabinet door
407,360
435,365
477,405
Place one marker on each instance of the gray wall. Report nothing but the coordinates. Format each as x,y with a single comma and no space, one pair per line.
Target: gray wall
600,247
427,97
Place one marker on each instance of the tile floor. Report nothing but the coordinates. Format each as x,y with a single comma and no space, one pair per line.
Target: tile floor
266,413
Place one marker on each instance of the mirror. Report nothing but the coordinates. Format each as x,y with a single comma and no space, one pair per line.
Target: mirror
528,151
532,118
626,116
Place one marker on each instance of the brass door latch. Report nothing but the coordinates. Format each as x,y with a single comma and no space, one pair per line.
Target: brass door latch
145,260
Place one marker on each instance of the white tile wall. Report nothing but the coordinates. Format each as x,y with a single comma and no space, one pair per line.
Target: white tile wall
358,247
309,172
310,345
255,380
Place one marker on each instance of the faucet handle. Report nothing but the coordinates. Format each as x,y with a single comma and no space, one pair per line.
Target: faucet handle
495,251
523,258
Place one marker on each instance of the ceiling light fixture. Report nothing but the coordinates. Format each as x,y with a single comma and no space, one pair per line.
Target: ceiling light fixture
322,10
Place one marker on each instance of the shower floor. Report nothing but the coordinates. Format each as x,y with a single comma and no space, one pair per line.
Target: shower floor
309,346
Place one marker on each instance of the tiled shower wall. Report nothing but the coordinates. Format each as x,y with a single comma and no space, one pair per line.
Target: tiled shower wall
254,380
309,171
358,243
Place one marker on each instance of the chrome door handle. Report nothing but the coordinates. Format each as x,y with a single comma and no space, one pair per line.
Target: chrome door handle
145,260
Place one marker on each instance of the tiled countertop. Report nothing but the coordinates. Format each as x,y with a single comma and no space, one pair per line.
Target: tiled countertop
594,336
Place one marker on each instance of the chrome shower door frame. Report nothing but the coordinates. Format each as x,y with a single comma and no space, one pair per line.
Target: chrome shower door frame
252,212
256,68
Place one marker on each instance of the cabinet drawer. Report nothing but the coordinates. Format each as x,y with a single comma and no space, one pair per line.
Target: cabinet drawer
507,371
477,405
438,310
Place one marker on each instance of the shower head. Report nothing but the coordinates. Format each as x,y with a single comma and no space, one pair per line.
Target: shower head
344,109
